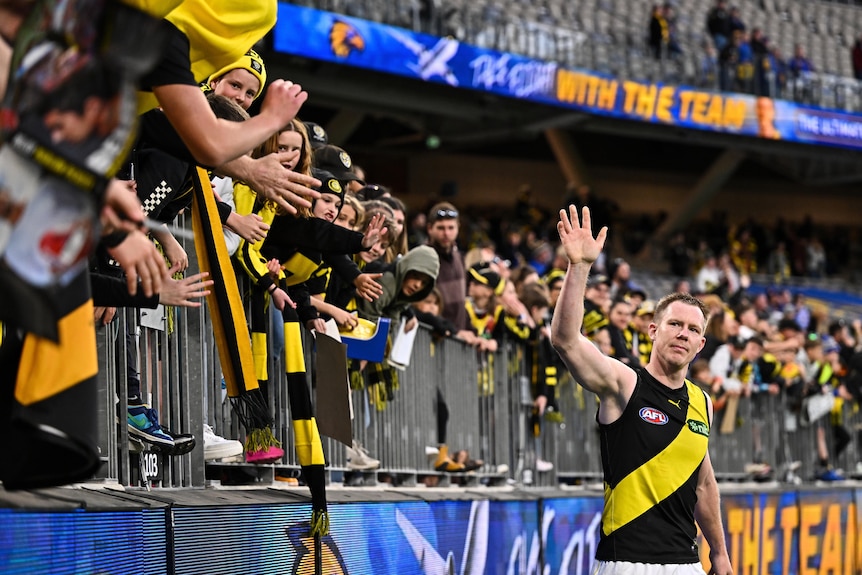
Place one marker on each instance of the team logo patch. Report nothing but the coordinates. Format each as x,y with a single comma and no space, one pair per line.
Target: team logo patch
255,65
698,427
653,415
318,132
334,186
345,159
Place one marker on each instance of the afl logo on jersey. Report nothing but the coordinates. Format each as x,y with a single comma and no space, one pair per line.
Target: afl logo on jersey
653,415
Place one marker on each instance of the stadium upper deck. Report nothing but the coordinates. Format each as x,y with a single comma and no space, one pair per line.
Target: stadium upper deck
611,35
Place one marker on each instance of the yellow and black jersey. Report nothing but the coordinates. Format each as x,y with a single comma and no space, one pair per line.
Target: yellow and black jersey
594,318
651,460
639,344
496,324
540,365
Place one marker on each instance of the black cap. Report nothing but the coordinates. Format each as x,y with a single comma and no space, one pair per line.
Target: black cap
317,136
486,276
336,161
598,279
329,184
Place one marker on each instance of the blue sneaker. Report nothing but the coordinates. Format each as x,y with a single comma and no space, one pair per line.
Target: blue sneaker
144,424
830,475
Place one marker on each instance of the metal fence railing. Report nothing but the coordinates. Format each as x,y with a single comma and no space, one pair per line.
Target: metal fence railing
488,401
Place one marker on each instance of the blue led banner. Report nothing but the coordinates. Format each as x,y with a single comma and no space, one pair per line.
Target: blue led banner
774,532
351,41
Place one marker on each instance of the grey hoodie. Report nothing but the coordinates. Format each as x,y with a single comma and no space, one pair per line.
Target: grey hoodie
392,302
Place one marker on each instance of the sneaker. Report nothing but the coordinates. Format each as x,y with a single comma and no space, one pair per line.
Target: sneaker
217,447
446,463
263,456
183,442
287,480
830,475
757,468
543,466
143,423
358,458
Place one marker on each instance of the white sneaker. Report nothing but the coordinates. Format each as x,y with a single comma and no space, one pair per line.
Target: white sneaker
542,465
217,447
358,458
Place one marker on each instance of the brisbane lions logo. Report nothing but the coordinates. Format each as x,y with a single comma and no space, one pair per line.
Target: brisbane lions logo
344,39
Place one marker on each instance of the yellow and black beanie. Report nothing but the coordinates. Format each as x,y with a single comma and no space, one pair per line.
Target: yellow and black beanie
329,184
250,61
484,275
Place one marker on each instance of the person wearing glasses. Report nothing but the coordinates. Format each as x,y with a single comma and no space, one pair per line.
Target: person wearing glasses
443,227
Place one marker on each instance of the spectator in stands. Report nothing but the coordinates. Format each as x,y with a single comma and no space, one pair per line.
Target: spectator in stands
778,263
718,25
619,318
410,281
682,286
744,65
554,281
597,304
815,258
710,383
722,327
442,232
743,252
736,23
708,70
399,211
417,234
709,277
638,331
762,63
728,61
620,271
378,257
524,275
799,65
856,54
662,32
541,365
757,384
778,65
731,281
679,255
488,317
673,47
821,364
427,311
659,32
846,335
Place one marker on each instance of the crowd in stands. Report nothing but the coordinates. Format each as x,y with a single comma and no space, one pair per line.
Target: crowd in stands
735,57
792,50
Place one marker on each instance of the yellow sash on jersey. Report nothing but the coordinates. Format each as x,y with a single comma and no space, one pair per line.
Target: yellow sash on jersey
661,476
